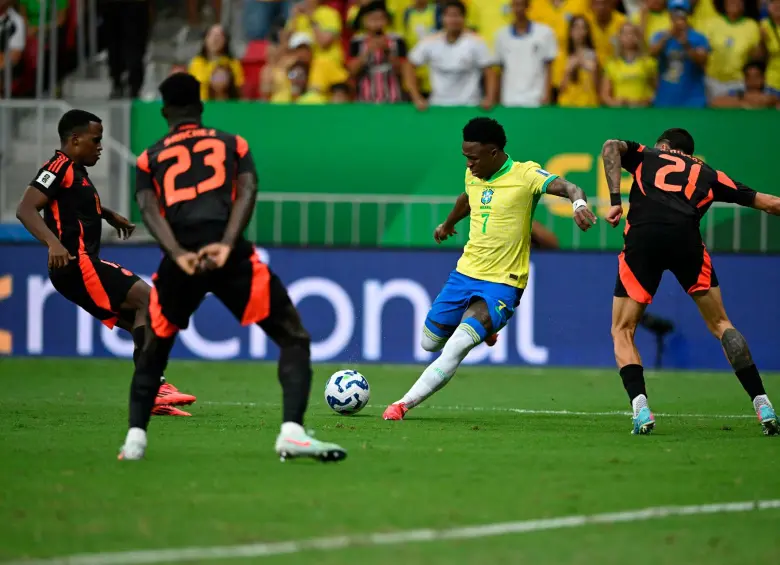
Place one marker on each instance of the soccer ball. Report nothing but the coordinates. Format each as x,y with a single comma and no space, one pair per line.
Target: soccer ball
347,392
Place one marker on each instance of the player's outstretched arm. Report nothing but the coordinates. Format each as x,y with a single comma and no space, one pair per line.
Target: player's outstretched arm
29,213
565,189
611,154
767,203
461,209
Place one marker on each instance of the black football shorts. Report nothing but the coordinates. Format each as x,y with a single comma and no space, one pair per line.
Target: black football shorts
245,285
98,286
651,249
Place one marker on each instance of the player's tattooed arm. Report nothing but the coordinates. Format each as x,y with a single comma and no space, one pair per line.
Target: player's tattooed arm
611,154
565,189
461,209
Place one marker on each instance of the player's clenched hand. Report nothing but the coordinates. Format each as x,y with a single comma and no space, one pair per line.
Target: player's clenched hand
614,215
188,262
584,218
214,256
58,256
443,232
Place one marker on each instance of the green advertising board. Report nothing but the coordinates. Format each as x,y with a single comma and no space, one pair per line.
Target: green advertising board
339,156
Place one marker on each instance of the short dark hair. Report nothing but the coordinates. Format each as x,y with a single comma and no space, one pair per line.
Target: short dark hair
341,87
375,6
754,64
486,131
678,139
75,121
180,90
455,4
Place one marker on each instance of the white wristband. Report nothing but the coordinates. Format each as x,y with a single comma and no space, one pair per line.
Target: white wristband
577,204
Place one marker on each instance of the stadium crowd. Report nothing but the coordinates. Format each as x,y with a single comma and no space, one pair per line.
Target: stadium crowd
572,53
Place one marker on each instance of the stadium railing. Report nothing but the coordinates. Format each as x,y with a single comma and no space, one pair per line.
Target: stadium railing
368,220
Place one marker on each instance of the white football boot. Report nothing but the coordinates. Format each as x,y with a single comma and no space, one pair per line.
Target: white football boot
135,445
293,442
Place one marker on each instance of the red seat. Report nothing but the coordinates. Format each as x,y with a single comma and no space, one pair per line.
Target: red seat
25,84
252,63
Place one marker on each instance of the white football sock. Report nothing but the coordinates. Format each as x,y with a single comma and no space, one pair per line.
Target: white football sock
761,400
136,436
292,429
438,373
432,343
638,403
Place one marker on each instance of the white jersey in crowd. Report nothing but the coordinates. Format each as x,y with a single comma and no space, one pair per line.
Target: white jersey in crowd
455,68
524,59
13,36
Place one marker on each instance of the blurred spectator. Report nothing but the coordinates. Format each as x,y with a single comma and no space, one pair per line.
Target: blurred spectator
490,16
323,23
194,12
126,25
753,95
340,94
31,12
770,43
652,18
259,17
703,12
558,14
420,20
458,61
215,52
682,56
222,84
395,10
300,91
579,83
322,72
177,68
525,50
376,57
733,39
12,41
630,78
605,23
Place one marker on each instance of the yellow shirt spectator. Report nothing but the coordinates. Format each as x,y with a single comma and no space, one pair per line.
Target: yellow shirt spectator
324,73
656,21
731,44
771,34
202,68
557,16
325,19
632,81
703,12
605,38
488,16
417,25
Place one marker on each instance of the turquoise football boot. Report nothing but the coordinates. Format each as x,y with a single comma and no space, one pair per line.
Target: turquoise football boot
769,423
644,422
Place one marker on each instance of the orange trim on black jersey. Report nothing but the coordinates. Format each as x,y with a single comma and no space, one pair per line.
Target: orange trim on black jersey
55,212
638,177
143,162
725,180
634,288
259,304
707,199
242,147
56,164
704,282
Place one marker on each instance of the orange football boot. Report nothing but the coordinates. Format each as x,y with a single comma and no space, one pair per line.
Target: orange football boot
168,410
395,411
169,394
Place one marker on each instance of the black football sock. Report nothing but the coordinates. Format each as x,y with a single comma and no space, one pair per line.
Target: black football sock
736,348
138,340
295,377
146,380
633,381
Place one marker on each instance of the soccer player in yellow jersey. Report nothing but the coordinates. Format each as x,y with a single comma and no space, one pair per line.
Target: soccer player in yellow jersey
483,291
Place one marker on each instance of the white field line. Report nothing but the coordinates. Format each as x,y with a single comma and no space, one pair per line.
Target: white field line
396,538
515,410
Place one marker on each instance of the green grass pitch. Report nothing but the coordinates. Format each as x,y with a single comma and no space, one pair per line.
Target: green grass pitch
467,458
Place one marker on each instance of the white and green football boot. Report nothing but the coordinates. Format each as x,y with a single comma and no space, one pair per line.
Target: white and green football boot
293,442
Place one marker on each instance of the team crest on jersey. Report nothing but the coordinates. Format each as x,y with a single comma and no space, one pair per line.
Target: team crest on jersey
487,196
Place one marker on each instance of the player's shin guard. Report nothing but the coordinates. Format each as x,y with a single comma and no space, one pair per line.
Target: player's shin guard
295,377
151,363
439,373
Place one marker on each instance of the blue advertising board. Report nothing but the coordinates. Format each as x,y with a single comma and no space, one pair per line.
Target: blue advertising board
369,306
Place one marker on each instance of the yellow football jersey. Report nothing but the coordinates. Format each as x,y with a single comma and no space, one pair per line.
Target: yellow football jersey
732,44
773,46
502,210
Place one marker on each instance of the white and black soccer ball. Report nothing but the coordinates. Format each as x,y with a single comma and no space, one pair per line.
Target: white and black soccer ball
347,392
